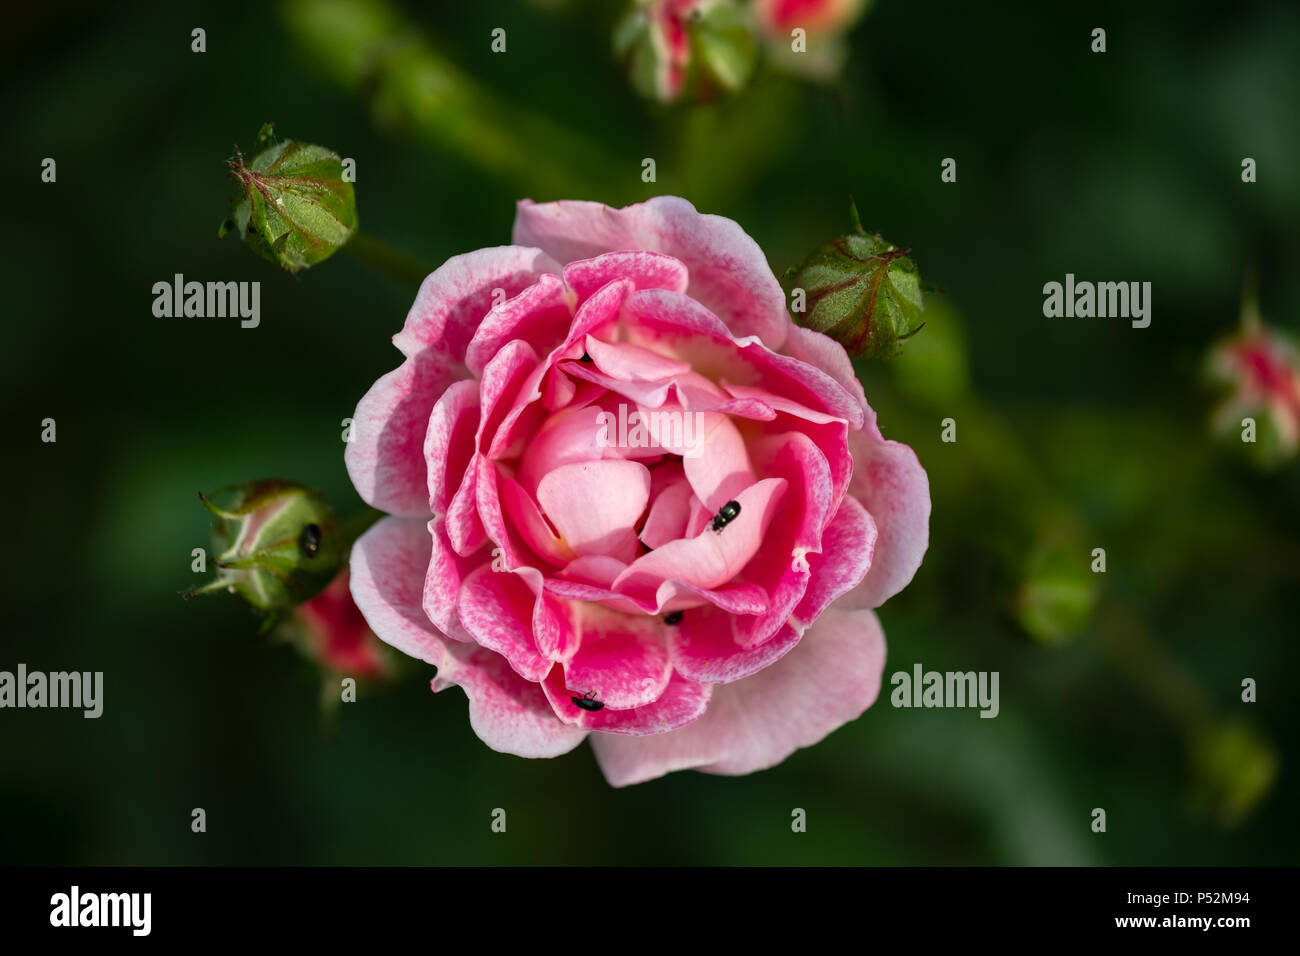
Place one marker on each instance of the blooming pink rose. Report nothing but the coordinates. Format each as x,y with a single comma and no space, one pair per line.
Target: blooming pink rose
576,577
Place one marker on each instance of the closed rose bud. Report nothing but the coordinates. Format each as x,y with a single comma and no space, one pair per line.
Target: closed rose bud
862,291
685,47
1234,766
294,207
277,543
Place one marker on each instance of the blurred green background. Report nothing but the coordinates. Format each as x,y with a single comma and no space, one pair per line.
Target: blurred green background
1071,434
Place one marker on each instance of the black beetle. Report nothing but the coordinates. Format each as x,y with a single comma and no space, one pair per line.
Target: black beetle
309,540
586,703
726,514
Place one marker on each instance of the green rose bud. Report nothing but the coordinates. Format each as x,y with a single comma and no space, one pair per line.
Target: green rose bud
295,208
860,290
1057,595
278,543
685,47
1234,766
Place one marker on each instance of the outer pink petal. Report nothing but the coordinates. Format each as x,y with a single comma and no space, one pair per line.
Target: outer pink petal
446,571
449,441
681,702
830,678
389,563
647,270
673,324
385,458
890,482
454,298
496,607
510,714
622,660
823,352
805,512
463,526
847,548
728,271
705,649
540,316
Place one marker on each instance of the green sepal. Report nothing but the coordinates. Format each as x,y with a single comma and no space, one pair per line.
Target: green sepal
862,291
294,207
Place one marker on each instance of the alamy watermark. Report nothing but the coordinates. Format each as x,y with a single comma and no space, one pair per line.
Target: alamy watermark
1085,300
75,908
73,689
212,300
680,431
922,688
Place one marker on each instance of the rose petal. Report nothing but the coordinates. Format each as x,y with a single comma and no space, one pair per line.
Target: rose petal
388,565
527,519
728,271
385,457
622,659
831,677
540,316
446,570
595,505
668,513
713,557
510,714
847,547
454,298
821,351
704,648
646,270
681,702
449,441
893,487
496,607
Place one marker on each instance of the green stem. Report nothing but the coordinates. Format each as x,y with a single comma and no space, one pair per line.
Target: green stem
386,258
1149,666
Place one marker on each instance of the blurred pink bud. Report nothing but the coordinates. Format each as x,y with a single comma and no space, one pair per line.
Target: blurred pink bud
778,18
1260,368
332,631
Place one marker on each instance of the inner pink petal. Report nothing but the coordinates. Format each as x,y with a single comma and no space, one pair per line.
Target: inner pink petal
530,523
598,570
632,363
595,505
713,557
567,437
668,513
718,467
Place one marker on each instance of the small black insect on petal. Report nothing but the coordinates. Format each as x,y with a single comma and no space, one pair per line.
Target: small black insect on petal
726,514
674,618
585,702
309,540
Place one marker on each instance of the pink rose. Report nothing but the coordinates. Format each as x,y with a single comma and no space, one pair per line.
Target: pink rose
573,574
